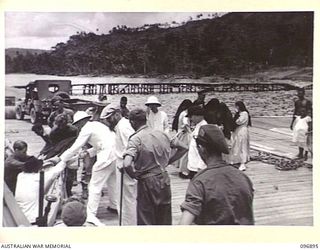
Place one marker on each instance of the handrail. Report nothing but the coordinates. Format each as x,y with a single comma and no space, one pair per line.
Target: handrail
167,87
12,214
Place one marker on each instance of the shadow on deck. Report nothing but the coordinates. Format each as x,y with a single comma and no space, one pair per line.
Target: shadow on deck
282,198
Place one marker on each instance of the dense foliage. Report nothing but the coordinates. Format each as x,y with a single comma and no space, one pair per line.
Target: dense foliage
235,42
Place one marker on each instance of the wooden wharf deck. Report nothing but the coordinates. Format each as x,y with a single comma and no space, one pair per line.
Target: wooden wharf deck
282,198
166,88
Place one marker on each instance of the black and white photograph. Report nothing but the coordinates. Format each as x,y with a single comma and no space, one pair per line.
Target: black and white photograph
158,118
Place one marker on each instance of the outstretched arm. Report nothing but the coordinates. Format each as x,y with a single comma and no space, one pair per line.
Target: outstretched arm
81,140
51,174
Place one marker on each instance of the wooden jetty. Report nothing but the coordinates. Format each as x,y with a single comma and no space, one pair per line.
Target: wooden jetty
167,88
282,198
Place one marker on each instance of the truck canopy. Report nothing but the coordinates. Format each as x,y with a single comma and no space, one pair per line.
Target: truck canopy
47,88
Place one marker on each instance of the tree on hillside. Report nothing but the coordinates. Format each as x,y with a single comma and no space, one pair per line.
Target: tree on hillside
235,42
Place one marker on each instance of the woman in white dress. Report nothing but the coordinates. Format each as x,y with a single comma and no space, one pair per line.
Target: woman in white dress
240,141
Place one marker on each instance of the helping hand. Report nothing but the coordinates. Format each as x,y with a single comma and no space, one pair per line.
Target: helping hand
55,160
130,172
83,154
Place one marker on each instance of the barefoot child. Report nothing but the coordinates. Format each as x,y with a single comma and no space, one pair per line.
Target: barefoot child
301,127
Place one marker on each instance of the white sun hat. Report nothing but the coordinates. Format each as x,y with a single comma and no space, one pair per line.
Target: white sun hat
153,100
102,100
79,115
108,111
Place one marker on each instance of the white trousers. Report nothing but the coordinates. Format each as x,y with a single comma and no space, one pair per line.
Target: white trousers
129,197
101,175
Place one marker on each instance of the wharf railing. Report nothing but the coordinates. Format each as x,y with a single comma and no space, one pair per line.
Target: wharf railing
167,88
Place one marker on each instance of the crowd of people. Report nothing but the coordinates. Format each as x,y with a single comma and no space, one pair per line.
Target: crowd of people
129,151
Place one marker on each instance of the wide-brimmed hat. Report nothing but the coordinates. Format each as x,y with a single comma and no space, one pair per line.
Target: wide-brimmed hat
195,110
109,110
102,101
80,115
212,137
152,100
74,213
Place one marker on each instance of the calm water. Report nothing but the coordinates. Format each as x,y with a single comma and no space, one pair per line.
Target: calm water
278,103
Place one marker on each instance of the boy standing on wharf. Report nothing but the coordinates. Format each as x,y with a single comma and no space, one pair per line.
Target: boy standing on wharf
146,157
156,119
299,104
123,107
102,141
112,117
195,163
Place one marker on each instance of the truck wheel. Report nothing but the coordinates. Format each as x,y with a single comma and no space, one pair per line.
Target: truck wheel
33,116
19,113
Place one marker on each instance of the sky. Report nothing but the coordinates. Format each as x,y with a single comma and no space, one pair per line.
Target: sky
43,30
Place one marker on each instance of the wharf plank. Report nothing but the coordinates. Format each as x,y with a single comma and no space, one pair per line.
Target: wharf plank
281,202
298,221
281,196
271,122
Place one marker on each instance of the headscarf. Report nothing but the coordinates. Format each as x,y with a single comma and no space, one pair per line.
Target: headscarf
226,119
211,111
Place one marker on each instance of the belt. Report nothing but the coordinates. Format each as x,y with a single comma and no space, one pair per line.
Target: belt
152,172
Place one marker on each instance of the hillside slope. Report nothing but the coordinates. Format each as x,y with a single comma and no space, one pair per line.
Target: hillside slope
233,43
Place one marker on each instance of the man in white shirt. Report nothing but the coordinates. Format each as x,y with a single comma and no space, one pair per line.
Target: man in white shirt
195,163
112,117
27,190
102,141
156,119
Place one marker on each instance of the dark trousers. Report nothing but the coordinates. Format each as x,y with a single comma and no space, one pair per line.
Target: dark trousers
71,175
87,169
154,200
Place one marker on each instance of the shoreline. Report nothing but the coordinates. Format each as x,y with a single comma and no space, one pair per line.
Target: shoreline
290,73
